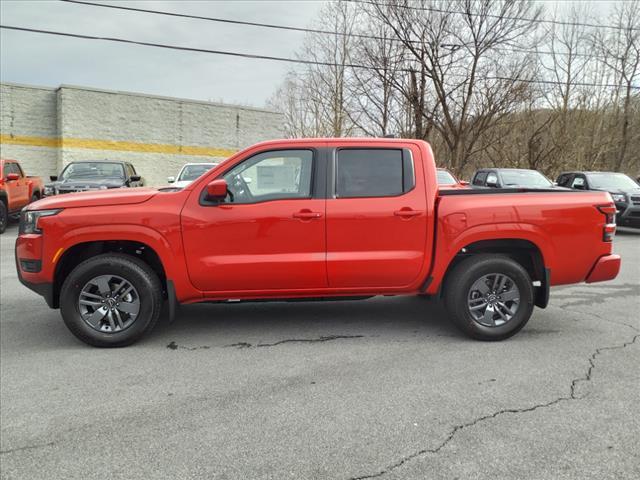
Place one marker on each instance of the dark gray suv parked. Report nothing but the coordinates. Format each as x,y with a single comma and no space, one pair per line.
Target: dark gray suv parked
96,175
510,178
623,189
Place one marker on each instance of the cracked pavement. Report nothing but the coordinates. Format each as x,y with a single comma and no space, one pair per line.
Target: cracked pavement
383,388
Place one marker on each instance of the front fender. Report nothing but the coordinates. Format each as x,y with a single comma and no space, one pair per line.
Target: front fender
171,254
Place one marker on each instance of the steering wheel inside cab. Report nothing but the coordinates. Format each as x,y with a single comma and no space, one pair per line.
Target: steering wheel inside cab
237,191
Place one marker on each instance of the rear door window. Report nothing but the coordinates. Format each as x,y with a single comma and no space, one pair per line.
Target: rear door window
373,173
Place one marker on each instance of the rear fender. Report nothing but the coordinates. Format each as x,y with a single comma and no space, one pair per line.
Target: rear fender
448,246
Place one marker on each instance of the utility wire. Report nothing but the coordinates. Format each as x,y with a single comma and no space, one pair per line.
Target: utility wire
307,30
274,58
453,12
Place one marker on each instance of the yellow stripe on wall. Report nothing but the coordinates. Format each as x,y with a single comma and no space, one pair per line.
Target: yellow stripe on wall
94,144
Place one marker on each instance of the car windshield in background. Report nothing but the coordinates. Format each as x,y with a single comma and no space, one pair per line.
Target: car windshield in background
525,178
445,178
191,172
611,181
92,169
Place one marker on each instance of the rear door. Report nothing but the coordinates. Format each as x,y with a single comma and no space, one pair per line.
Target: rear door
376,218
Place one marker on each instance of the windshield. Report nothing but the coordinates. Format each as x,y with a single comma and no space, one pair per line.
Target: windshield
92,169
524,178
191,172
445,178
611,181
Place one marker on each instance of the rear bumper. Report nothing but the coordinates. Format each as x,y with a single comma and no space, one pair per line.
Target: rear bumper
606,268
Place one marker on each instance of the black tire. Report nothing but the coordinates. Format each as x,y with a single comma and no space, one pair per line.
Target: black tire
457,290
137,273
4,217
34,198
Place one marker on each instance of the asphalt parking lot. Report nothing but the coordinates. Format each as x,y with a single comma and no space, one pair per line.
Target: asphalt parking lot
383,388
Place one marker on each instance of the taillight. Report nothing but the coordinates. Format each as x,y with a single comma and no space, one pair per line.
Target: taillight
609,229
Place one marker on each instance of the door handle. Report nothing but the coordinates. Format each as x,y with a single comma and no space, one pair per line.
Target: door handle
407,213
307,215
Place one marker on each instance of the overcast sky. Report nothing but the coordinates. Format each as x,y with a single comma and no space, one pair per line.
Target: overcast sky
50,61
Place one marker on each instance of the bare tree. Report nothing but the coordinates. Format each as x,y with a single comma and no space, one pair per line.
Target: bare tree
620,49
482,81
470,84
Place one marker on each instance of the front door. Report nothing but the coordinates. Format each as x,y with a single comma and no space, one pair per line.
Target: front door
18,190
377,219
267,235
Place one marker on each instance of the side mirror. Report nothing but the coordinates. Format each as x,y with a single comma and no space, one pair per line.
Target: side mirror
217,189
12,176
171,179
53,178
135,178
492,183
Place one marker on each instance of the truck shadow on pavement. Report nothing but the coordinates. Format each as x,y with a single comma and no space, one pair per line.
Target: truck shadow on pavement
271,324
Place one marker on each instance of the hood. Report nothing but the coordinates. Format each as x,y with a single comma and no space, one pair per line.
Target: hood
87,183
95,198
631,191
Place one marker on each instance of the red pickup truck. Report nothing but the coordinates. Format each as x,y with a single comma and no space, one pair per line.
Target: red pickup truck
16,190
312,218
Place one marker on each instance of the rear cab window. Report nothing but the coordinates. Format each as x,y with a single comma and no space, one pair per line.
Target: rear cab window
380,172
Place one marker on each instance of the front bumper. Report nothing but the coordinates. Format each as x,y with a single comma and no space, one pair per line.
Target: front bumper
628,215
606,268
27,249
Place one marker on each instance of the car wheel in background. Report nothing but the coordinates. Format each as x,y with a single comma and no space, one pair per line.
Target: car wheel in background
111,300
4,217
489,297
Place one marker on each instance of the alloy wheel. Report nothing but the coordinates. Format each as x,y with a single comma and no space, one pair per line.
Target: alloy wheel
493,299
109,303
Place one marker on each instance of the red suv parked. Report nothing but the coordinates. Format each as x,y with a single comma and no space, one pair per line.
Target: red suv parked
312,218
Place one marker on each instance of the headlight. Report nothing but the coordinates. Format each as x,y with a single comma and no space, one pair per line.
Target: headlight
618,197
49,190
103,187
29,219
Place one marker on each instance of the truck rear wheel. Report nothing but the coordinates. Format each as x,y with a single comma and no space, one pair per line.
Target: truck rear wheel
489,297
111,300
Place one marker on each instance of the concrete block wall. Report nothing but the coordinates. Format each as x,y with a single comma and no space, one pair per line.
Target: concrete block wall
157,134
29,128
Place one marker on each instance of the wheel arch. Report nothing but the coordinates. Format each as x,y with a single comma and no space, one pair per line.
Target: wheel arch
523,251
79,252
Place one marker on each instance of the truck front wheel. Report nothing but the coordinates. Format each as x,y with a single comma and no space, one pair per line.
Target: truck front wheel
111,300
489,297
